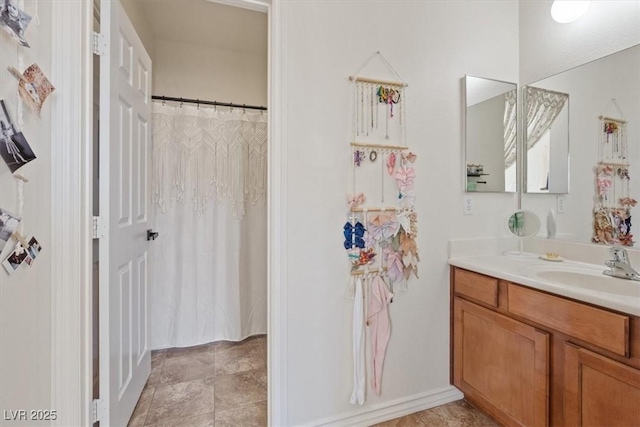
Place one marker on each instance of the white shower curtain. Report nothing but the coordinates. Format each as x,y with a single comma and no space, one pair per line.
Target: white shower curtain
208,267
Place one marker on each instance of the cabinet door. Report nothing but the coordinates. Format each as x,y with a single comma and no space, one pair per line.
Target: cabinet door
599,391
502,365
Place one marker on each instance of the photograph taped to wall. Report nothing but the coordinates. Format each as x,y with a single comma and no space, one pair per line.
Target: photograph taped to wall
34,88
33,250
14,20
14,148
15,259
8,225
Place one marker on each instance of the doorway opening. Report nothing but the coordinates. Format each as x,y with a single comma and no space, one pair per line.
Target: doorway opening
206,268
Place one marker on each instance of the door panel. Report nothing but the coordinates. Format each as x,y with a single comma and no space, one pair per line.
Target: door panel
599,391
125,114
501,364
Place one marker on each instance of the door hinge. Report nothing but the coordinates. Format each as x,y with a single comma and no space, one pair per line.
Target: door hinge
99,410
99,44
99,227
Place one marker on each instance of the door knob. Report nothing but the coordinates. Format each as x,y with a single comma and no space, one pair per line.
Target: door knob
151,235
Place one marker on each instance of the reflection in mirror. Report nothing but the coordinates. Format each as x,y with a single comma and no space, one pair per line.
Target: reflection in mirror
490,135
546,141
604,174
524,224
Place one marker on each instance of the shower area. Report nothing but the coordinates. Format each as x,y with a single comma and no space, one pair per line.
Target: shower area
208,263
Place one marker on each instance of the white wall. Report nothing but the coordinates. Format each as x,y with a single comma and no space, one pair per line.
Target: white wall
547,47
25,297
591,88
432,45
211,73
485,141
137,15
558,151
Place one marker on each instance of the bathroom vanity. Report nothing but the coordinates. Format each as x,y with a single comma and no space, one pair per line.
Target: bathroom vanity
537,344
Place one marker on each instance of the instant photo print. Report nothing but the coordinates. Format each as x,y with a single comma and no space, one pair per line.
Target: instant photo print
15,259
14,148
33,250
8,225
14,20
34,88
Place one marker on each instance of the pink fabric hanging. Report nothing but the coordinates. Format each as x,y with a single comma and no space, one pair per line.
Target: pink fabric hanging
380,325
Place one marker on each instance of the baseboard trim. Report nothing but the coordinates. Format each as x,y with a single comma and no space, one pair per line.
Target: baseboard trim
366,416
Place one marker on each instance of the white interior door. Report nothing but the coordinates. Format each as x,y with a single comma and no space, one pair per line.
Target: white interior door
125,150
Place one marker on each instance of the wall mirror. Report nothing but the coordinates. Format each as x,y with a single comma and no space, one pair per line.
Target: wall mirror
605,163
490,135
546,141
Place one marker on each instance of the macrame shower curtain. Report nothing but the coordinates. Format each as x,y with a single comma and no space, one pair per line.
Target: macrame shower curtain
542,107
510,128
208,268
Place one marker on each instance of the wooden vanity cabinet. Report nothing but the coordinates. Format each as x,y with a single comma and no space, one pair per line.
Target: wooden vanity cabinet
530,358
501,364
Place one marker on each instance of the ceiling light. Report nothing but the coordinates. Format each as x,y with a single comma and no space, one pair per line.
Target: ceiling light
564,11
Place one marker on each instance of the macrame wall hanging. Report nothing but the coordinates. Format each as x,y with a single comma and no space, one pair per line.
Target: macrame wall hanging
381,228
612,210
201,154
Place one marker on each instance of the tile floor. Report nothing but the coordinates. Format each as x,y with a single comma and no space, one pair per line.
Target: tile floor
224,384
454,414
221,384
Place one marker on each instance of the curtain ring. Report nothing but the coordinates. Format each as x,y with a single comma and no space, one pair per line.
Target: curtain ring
373,155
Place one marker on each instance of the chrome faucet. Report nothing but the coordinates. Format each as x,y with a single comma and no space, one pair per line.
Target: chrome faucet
620,266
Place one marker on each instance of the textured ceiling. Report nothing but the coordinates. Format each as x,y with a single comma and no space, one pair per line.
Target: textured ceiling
206,23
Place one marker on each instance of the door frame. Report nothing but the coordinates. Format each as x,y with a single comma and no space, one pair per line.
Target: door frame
72,213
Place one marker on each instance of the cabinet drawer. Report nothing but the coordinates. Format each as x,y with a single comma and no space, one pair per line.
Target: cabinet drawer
476,286
593,325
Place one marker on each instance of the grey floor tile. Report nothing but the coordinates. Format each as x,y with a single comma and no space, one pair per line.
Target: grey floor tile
205,420
253,415
239,358
188,367
182,400
240,389
142,408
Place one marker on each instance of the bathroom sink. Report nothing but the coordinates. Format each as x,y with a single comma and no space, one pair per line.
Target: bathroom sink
585,277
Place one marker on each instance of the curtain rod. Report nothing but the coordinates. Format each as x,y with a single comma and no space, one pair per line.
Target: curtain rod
216,103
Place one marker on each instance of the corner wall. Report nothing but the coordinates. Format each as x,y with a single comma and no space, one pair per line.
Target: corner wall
136,13
432,45
589,97
25,297
547,47
211,73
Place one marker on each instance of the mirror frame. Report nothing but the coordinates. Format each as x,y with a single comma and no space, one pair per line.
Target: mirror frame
465,139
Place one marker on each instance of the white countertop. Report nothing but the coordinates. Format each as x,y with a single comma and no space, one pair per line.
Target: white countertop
514,270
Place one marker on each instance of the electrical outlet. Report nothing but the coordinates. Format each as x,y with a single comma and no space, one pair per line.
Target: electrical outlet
560,203
468,205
